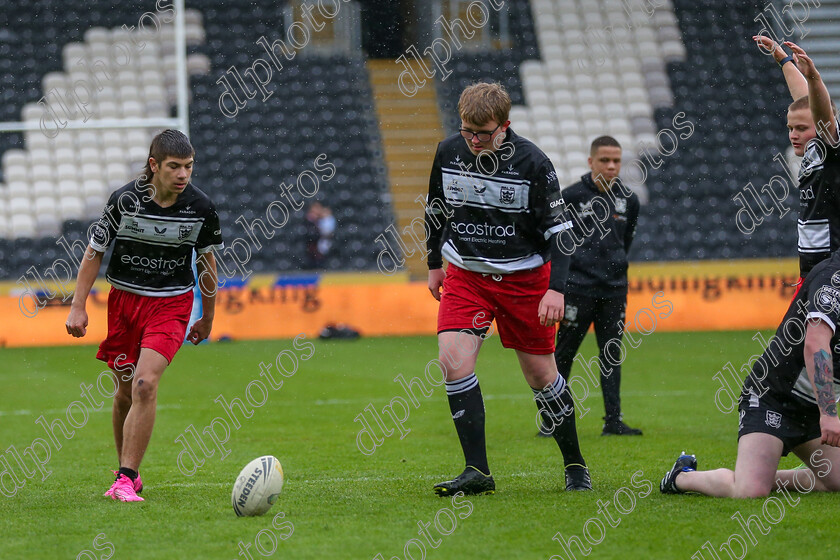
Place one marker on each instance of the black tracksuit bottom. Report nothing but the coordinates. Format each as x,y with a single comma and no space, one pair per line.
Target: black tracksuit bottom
608,315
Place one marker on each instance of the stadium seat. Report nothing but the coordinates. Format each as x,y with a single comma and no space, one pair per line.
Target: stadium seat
22,226
71,207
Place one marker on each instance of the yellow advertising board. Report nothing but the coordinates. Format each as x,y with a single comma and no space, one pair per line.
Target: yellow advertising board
671,297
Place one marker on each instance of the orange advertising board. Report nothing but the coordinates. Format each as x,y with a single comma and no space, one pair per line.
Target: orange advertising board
670,297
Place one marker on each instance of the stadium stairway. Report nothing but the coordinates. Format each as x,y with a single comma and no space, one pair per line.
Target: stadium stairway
411,129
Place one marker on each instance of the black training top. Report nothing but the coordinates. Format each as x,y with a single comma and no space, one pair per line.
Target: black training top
781,368
604,226
495,212
819,204
154,246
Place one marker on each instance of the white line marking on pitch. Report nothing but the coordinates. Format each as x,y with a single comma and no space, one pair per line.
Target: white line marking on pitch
25,412
348,479
515,396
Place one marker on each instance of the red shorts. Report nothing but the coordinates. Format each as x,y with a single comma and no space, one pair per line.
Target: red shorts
136,322
798,286
472,300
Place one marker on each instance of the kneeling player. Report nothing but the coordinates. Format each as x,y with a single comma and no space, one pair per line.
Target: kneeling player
788,403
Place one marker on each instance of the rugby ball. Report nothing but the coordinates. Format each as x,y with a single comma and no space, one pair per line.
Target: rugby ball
257,486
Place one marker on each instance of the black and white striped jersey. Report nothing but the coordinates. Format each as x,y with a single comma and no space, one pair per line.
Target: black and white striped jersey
493,213
781,368
819,204
153,246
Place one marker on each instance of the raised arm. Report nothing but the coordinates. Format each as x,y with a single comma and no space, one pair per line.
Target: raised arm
818,97
820,369
796,83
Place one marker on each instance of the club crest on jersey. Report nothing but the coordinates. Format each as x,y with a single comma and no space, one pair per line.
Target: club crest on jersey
835,279
828,299
507,195
621,205
571,313
813,159
184,232
773,419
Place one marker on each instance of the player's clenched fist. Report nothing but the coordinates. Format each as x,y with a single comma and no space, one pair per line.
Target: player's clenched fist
830,428
77,323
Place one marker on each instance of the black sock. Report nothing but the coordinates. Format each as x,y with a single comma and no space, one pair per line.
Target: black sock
467,409
127,472
558,411
611,387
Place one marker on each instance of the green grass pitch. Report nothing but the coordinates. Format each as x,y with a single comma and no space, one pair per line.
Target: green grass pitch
344,504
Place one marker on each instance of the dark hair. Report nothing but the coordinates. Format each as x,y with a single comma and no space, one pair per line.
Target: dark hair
603,141
169,143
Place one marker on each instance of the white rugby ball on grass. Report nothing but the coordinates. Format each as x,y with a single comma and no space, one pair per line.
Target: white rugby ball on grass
257,486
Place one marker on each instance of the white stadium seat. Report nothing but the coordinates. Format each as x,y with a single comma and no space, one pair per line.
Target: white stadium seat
538,97
66,171
18,189
15,172
91,170
114,154
108,110
69,187
565,111
548,143
572,142
544,128
20,205
97,35
93,187
89,154
71,53
71,208
132,110
14,157
22,225
43,188
111,138
46,213
42,173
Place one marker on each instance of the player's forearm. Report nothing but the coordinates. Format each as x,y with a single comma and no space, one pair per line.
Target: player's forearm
435,222
88,270
820,369
560,262
796,82
205,265
820,102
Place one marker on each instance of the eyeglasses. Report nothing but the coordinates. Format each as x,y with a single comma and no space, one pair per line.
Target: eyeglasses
482,136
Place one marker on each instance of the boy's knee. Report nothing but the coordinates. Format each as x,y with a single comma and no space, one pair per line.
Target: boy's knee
751,489
143,389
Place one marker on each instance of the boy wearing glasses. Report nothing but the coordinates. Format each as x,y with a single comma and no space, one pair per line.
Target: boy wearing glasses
494,212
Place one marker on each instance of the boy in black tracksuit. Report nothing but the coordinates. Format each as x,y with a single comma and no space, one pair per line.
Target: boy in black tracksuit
604,213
